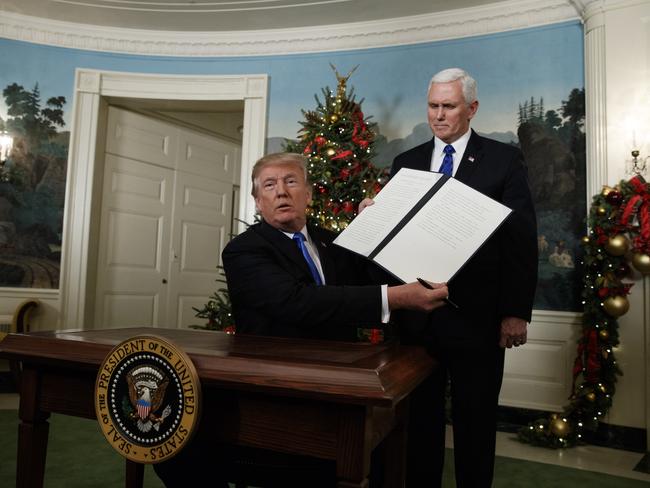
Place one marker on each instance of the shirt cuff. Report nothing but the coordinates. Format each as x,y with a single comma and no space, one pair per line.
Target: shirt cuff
385,311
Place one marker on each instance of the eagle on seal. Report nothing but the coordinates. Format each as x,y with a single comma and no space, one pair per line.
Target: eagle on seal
147,385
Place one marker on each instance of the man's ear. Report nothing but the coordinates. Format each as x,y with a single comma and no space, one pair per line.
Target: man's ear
473,108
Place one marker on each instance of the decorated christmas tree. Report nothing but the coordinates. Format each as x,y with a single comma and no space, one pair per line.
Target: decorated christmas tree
339,142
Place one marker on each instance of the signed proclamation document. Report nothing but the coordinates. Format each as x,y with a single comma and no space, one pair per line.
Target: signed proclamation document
423,224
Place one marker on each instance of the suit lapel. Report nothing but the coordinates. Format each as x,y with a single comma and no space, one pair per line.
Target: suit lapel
471,158
321,245
283,244
423,159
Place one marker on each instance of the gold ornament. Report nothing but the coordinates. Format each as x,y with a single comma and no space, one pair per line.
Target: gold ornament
616,305
606,190
586,240
603,388
334,118
601,210
617,245
604,335
560,428
330,152
591,396
641,262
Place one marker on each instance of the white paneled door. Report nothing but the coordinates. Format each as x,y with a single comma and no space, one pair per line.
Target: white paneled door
165,217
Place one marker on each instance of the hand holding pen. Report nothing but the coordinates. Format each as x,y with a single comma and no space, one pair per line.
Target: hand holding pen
428,285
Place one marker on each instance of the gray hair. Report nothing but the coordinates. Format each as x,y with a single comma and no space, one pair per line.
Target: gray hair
468,83
297,160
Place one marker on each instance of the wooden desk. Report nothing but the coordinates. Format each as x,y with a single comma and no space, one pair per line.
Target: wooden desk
333,401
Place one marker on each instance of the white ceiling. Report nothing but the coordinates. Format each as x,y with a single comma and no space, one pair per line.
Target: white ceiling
227,15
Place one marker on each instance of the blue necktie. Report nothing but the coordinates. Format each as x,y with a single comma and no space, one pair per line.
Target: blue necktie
447,166
299,238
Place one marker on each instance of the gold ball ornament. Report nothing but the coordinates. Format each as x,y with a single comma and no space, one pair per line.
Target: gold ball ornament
591,396
641,262
560,428
601,210
617,245
586,240
334,118
606,190
604,335
330,152
616,305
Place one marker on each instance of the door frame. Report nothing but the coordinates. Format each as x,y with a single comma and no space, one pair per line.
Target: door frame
93,89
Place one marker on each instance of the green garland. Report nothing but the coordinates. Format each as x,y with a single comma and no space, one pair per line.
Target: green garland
618,216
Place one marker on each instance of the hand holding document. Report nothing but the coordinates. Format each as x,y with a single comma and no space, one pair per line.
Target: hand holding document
423,224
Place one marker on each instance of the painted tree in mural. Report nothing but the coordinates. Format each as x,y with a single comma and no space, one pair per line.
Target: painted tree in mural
339,142
553,142
32,188
35,125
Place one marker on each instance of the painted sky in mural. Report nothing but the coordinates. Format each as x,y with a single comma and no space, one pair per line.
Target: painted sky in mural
510,68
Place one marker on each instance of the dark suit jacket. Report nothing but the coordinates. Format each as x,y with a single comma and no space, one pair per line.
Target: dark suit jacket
500,279
273,292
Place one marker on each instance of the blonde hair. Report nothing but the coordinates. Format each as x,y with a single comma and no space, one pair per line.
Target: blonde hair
277,158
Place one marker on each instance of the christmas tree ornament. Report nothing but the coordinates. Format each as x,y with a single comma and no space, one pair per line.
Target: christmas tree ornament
617,245
601,211
334,118
616,306
603,334
560,427
591,396
586,240
641,262
606,190
330,151
614,198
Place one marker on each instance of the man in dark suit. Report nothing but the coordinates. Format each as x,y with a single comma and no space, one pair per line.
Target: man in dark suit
287,279
276,290
494,292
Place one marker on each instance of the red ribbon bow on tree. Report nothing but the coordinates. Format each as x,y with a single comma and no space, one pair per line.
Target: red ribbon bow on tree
639,204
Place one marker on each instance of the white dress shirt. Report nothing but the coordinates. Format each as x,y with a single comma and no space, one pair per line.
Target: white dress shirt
459,145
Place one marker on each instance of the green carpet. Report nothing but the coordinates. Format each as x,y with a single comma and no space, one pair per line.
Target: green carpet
79,457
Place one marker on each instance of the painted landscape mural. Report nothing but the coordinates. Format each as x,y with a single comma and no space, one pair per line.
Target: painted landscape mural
32,188
531,93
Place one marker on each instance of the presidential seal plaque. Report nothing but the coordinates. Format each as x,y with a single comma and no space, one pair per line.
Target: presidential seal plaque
147,398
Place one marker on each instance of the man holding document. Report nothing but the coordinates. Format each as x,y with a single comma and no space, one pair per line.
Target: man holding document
488,248
285,278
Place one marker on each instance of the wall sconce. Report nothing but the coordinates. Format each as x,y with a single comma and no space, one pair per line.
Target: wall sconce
6,143
638,164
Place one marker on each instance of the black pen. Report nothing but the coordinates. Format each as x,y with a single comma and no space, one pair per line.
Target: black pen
426,284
